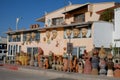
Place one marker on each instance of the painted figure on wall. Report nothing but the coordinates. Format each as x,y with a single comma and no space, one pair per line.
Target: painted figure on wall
54,34
76,33
68,33
48,36
84,32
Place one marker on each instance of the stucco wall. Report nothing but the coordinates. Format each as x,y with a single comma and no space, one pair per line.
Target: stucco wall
98,7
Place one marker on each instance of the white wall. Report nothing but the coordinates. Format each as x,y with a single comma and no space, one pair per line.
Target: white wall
102,34
116,33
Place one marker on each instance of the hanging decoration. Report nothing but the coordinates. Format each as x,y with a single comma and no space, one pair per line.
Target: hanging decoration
84,32
48,36
76,33
68,33
28,38
14,36
33,35
54,34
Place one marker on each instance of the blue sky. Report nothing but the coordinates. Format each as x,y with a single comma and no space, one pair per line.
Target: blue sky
30,10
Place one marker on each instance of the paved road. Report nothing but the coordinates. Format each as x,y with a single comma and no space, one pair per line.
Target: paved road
17,75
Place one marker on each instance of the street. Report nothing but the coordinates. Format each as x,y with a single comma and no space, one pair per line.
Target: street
6,74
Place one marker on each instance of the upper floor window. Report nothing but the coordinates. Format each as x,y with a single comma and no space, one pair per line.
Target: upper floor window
31,36
15,38
79,18
57,21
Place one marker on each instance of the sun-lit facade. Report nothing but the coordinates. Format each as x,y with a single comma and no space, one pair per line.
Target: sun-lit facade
77,24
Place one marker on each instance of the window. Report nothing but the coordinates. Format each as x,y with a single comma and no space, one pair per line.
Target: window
18,38
79,18
10,38
37,36
24,37
78,51
32,51
57,21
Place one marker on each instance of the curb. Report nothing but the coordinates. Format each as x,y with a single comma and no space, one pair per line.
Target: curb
11,67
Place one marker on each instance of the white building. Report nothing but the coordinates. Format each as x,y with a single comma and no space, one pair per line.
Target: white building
116,32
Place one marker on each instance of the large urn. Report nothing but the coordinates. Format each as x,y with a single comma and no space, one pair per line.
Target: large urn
95,64
117,66
110,65
102,65
87,66
65,62
80,66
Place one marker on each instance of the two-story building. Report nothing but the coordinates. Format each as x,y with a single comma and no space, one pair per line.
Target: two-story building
73,28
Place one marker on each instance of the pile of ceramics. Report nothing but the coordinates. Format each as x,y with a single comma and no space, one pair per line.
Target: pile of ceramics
94,63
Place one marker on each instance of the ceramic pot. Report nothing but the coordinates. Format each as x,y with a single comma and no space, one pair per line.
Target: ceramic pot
87,67
94,71
95,62
102,66
110,73
117,73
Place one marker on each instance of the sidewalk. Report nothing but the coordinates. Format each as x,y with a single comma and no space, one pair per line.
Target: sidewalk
59,74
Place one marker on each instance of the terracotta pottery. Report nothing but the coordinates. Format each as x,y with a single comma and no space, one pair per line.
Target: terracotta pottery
75,64
117,73
65,64
102,65
87,67
102,52
110,66
94,71
117,69
80,66
46,63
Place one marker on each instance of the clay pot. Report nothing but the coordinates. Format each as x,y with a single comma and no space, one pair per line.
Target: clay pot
65,64
117,73
87,67
95,62
94,71
80,67
110,73
102,66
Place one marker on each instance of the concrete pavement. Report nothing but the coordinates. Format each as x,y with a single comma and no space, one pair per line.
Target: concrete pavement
61,74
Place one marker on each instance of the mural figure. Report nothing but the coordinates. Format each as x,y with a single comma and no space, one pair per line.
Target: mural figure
84,32
68,33
54,34
48,36
76,33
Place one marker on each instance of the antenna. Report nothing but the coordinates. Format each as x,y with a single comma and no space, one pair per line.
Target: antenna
70,3
17,21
